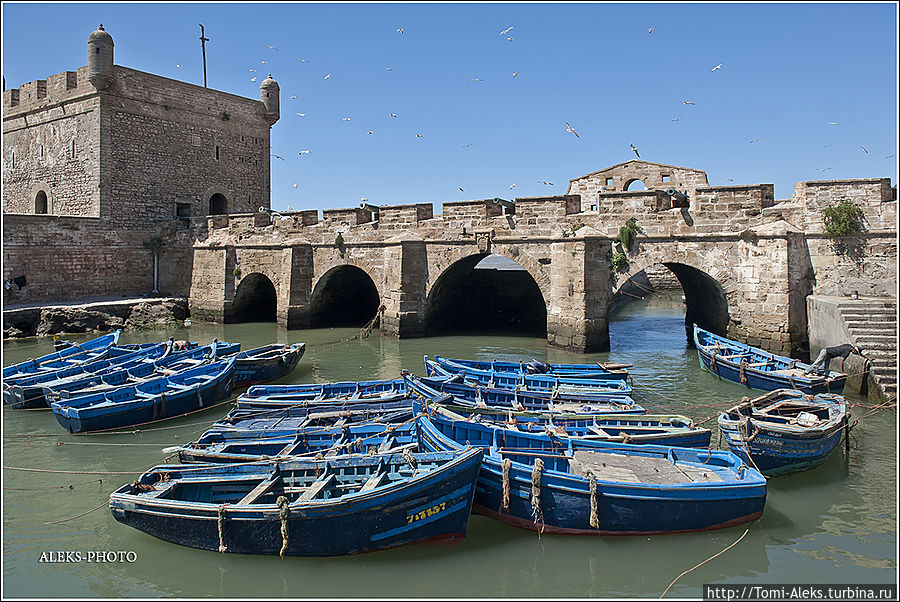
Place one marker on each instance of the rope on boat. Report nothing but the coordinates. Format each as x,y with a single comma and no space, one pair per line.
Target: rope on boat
713,367
71,486
105,503
222,547
595,518
536,511
504,503
743,372
407,455
284,512
705,561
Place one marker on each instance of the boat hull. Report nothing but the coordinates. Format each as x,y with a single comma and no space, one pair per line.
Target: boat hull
250,370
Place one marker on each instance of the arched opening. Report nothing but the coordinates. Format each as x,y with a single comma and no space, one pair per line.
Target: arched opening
344,296
41,207
704,299
635,184
255,300
486,294
218,204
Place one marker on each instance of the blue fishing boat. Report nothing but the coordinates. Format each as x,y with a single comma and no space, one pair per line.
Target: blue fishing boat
136,371
293,507
267,363
466,392
279,438
95,349
622,428
323,412
283,396
534,382
578,487
758,369
602,371
28,391
154,399
785,430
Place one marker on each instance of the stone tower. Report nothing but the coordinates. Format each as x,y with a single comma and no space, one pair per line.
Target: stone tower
100,58
268,94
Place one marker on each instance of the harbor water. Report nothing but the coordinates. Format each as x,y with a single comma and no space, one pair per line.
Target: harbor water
834,524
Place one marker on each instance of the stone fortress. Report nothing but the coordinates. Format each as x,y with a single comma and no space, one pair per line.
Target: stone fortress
119,182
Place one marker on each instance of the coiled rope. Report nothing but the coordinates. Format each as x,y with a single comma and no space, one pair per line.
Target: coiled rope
743,372
284,512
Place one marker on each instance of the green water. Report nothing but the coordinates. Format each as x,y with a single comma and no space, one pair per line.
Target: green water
834,524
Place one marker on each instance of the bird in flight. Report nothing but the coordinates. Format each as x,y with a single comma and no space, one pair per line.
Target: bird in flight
510,39
864,149
515,74
729,179
507,30
547,183
252,70
719,66
569,128
460,189
270,46
253,79
832,123
393,115
823,170
370,132
419,136
304,152
390,68
327,76
476,80
278,156
179,66
650,30
293,98
754,140
686,102
346,119
302,114
400,29
635,149
511,186
295,185
467,145
264,62
303,60
677,119
889,156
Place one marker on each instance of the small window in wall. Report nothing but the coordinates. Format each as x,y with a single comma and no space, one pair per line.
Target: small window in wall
217,152
609,181
667,178
218,205
97,50
14,160
40,203
183,210
42,150
73,148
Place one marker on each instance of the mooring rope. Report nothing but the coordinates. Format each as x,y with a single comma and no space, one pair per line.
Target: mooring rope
536,511
221,521
71,486
743,372
284,512
595,517
504,502
705,561
54,522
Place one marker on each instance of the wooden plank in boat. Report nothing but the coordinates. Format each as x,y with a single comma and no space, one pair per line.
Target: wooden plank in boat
317,487
374,481
638,469
259,490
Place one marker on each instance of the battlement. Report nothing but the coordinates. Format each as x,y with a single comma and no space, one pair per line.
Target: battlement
42,93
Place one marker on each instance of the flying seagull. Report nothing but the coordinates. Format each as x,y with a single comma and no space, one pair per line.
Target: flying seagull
370,132
304,152
278,156
393,115
635,149
832,123
264,62
303,60
889,156
729,179
270,46
476,80
295,185
823,170
302,114
460,189
511,186
570,129
677,119
510,39
650,30
179,66
293,98
506,31
252,70
390,68
547,183
346,119
515,74
327,76
686,102
400,29
253,79
467,145
719,66
754,140
864,149
419,136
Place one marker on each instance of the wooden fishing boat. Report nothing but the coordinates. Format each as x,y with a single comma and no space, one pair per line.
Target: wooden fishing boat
28,391
267,363
154,399
283,396
758,369
473,391
305,507
323,412
136,371
622,428
95,349
785,430
278,439
578,487
601,371
534,382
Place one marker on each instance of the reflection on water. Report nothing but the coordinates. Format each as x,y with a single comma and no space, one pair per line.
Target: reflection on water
836,523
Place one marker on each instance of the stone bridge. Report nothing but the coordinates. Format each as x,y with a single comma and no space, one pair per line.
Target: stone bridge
746,261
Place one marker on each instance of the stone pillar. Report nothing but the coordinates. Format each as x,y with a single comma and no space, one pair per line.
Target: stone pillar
404,290
293,309
580,293
207,295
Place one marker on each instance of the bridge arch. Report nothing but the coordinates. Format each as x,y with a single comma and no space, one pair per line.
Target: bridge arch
345,295
255,300
705,297
488,299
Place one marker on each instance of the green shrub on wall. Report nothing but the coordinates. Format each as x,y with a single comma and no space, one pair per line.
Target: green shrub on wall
843,219
619,262
628,232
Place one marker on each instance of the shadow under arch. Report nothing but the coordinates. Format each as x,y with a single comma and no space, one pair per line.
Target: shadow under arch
705,302
498,297
345,295
255,300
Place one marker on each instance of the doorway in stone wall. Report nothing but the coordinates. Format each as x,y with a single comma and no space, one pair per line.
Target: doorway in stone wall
218,204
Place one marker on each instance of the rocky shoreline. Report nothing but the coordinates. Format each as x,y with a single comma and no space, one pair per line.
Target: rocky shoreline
99,316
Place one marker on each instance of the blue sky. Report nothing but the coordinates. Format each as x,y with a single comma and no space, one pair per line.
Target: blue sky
788,70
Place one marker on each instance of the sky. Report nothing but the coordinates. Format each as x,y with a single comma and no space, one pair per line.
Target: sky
482,92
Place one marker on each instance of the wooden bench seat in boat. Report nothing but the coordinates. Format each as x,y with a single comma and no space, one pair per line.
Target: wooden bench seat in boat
637,469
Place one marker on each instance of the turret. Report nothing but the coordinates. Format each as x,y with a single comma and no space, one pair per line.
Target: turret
100,59
268,94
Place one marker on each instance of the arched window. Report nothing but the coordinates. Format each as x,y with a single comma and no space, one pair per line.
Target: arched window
218,205
40,203
635,185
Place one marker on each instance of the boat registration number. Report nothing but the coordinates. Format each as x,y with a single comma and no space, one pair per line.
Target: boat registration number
426,513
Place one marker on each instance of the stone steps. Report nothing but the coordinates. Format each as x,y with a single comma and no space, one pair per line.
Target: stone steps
872,325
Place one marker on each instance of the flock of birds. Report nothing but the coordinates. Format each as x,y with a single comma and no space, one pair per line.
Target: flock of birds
476,80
